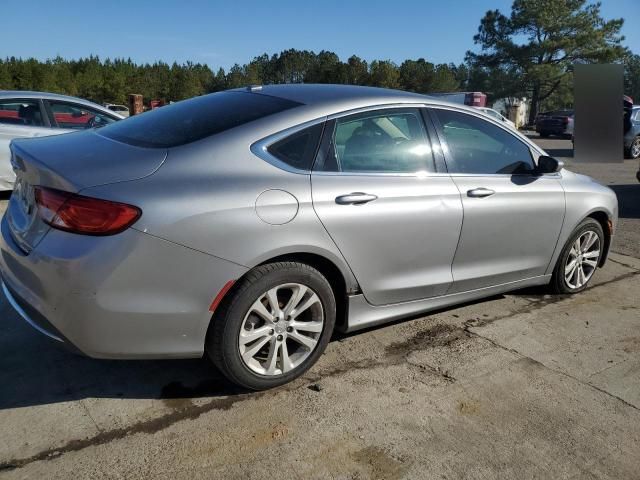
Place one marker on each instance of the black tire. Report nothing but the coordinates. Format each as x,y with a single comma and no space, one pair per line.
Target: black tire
222,337
544,134
558,282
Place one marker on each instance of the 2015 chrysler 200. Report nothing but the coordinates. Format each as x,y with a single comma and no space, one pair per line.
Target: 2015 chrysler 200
249,224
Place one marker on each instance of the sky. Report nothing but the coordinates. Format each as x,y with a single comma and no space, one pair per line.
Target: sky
221,33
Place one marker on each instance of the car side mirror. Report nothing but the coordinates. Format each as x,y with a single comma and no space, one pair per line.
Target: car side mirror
548,164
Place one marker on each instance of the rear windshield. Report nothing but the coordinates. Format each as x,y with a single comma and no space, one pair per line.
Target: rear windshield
194,119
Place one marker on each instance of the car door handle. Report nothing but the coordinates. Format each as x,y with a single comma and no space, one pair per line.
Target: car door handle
480,192
355,198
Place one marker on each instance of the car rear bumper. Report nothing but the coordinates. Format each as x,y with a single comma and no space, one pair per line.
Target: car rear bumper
130,295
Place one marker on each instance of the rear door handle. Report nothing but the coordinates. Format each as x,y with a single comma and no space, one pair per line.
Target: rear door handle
355,198
480,192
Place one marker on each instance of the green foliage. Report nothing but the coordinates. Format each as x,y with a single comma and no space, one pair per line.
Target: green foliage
113,80
530,53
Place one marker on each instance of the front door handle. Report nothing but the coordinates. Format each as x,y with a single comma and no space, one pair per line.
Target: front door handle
480,192
355,198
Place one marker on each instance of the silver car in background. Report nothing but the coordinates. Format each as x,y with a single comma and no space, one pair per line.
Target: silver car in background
249,224
38,114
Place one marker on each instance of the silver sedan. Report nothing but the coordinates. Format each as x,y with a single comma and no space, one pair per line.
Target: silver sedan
39,114
250,224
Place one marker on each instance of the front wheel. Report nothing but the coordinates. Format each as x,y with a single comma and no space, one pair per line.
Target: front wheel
579,258
273,327
634,149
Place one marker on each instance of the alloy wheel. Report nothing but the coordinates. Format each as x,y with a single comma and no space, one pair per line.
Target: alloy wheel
582,259
281,329
635,148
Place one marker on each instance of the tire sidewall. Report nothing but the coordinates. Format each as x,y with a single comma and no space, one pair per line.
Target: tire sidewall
242,301
558,277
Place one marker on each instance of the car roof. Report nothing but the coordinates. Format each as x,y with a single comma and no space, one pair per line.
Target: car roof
332,97
50,96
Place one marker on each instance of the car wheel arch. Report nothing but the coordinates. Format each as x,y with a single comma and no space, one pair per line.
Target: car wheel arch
603,218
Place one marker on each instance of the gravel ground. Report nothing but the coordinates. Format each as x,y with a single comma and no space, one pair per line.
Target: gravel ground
525,385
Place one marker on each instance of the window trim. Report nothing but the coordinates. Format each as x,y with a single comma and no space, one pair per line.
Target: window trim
46,122
329,130
535,153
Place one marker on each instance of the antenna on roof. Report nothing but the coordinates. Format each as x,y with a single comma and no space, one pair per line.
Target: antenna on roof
254,88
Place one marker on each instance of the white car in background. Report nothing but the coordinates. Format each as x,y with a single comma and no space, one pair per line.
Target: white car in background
497,116
39,114
119,109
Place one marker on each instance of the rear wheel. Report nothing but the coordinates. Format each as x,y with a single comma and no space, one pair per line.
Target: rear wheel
274,326
544,134
579,258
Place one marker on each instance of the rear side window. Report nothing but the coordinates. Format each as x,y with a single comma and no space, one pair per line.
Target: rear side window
21,112
194,119
299,149
477,146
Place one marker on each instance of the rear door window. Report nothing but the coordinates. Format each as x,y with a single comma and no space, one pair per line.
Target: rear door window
384,141
21,112
194,119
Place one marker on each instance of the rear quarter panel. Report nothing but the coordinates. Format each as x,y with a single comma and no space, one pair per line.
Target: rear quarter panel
204,197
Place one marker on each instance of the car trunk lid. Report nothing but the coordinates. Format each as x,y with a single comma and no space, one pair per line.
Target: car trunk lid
70,163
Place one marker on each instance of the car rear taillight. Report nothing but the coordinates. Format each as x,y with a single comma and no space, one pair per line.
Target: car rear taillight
84,215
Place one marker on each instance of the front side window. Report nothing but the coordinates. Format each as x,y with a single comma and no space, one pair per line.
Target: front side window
78,117
21,112
476,146
387,141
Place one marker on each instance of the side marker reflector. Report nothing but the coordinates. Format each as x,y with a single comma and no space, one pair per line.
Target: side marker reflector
223,291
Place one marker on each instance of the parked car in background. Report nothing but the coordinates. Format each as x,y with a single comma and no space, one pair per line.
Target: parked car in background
498,116
632,132
248,224
557,122
39,114
119,109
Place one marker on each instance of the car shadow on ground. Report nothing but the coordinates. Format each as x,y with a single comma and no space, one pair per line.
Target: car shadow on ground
37,371
628,200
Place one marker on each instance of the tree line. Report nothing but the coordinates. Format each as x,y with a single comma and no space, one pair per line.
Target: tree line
112,80
529,52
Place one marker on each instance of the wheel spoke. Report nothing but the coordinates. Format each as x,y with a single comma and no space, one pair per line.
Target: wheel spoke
570,267
589,241
253,335
312,327
576,246
259,309
272,296
285,361
295,299
272,359
255,348
591,263
307,342
310,301
591,254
